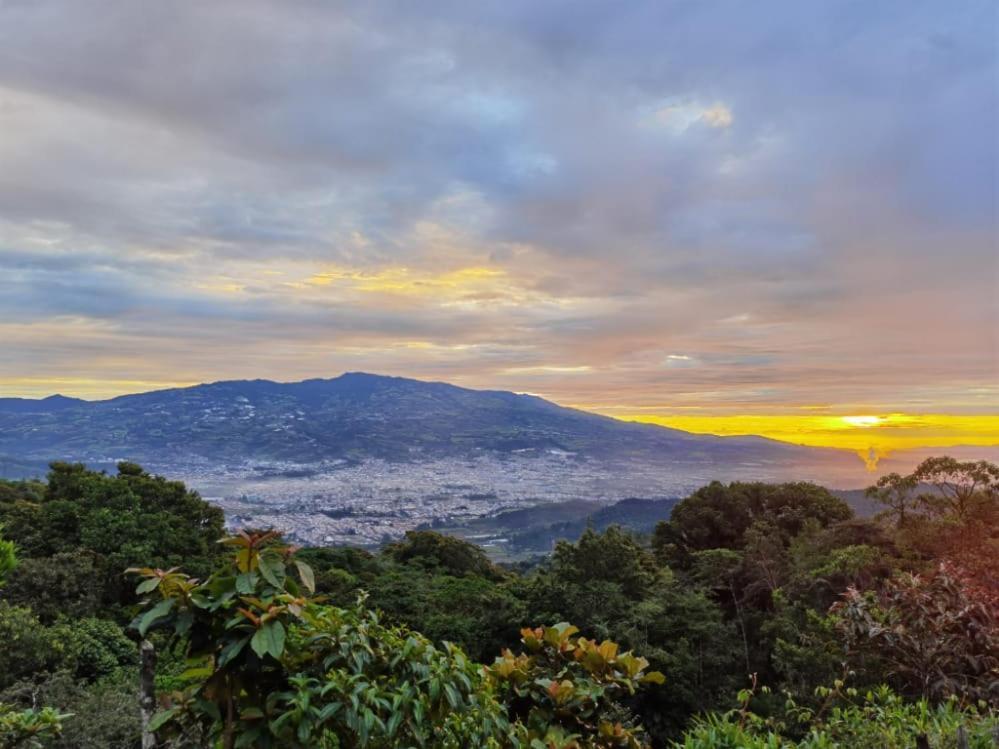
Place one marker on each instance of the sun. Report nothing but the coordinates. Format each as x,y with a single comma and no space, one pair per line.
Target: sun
863,422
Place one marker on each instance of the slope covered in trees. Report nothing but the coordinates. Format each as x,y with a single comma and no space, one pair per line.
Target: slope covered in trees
776,617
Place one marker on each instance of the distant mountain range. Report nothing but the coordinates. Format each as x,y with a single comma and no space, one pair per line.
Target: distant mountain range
355,416
52,404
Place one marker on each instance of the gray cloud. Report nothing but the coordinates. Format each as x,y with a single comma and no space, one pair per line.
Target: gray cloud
822,176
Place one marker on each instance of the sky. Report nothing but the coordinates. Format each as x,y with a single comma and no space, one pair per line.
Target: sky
778,218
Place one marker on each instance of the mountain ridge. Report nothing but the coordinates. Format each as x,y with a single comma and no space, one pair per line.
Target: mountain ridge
355,415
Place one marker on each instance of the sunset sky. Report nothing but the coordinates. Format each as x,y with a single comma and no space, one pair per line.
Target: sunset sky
700,215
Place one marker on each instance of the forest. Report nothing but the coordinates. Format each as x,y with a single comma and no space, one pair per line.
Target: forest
756,615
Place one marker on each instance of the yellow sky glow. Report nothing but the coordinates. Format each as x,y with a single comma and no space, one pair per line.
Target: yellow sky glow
860,432
80,387
401,280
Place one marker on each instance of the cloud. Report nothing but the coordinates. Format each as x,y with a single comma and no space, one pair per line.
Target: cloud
797,201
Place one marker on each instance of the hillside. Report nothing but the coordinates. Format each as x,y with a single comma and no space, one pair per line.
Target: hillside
355,416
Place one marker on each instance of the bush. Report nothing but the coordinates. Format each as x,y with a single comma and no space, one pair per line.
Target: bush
878,719
28,728
925,632
60,585
94,648
567,691
28,647
103,715
271,667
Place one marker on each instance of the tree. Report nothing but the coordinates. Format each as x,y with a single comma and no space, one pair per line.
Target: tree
685,634
99,715
593,582
612,556
825,562
447,553
269,665
717,570
8,557
62,585
898,494
962,488
87,526
766,560
28,647
478,614
92,649
718,516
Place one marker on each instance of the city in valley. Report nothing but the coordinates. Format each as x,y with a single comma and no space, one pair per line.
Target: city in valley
370,502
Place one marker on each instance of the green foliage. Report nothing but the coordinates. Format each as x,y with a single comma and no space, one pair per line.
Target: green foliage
28,728
13,491
963,489
739,580
898,494
594,582
876,719
825,562
382,686
78,534
445,553
8,557
87,648
719,516
60,585
928,634
482,613
104,714
92,649
270,666
565,692
612,556
28,647
479,614
685,634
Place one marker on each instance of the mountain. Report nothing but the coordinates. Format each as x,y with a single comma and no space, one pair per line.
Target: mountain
52,404
352,417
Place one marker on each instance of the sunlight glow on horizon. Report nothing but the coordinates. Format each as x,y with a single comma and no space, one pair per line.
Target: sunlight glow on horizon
862,421
859,433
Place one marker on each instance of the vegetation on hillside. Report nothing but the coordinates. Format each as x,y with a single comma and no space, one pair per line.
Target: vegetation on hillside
822,629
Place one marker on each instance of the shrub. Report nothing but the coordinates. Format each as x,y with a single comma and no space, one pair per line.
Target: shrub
927,634
565,691
28,728
878,719
272,667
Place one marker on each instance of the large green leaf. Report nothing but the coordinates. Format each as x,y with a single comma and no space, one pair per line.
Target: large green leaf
246,583
272,568
308,576
148,586
157,612
269,639
231,650
160,719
